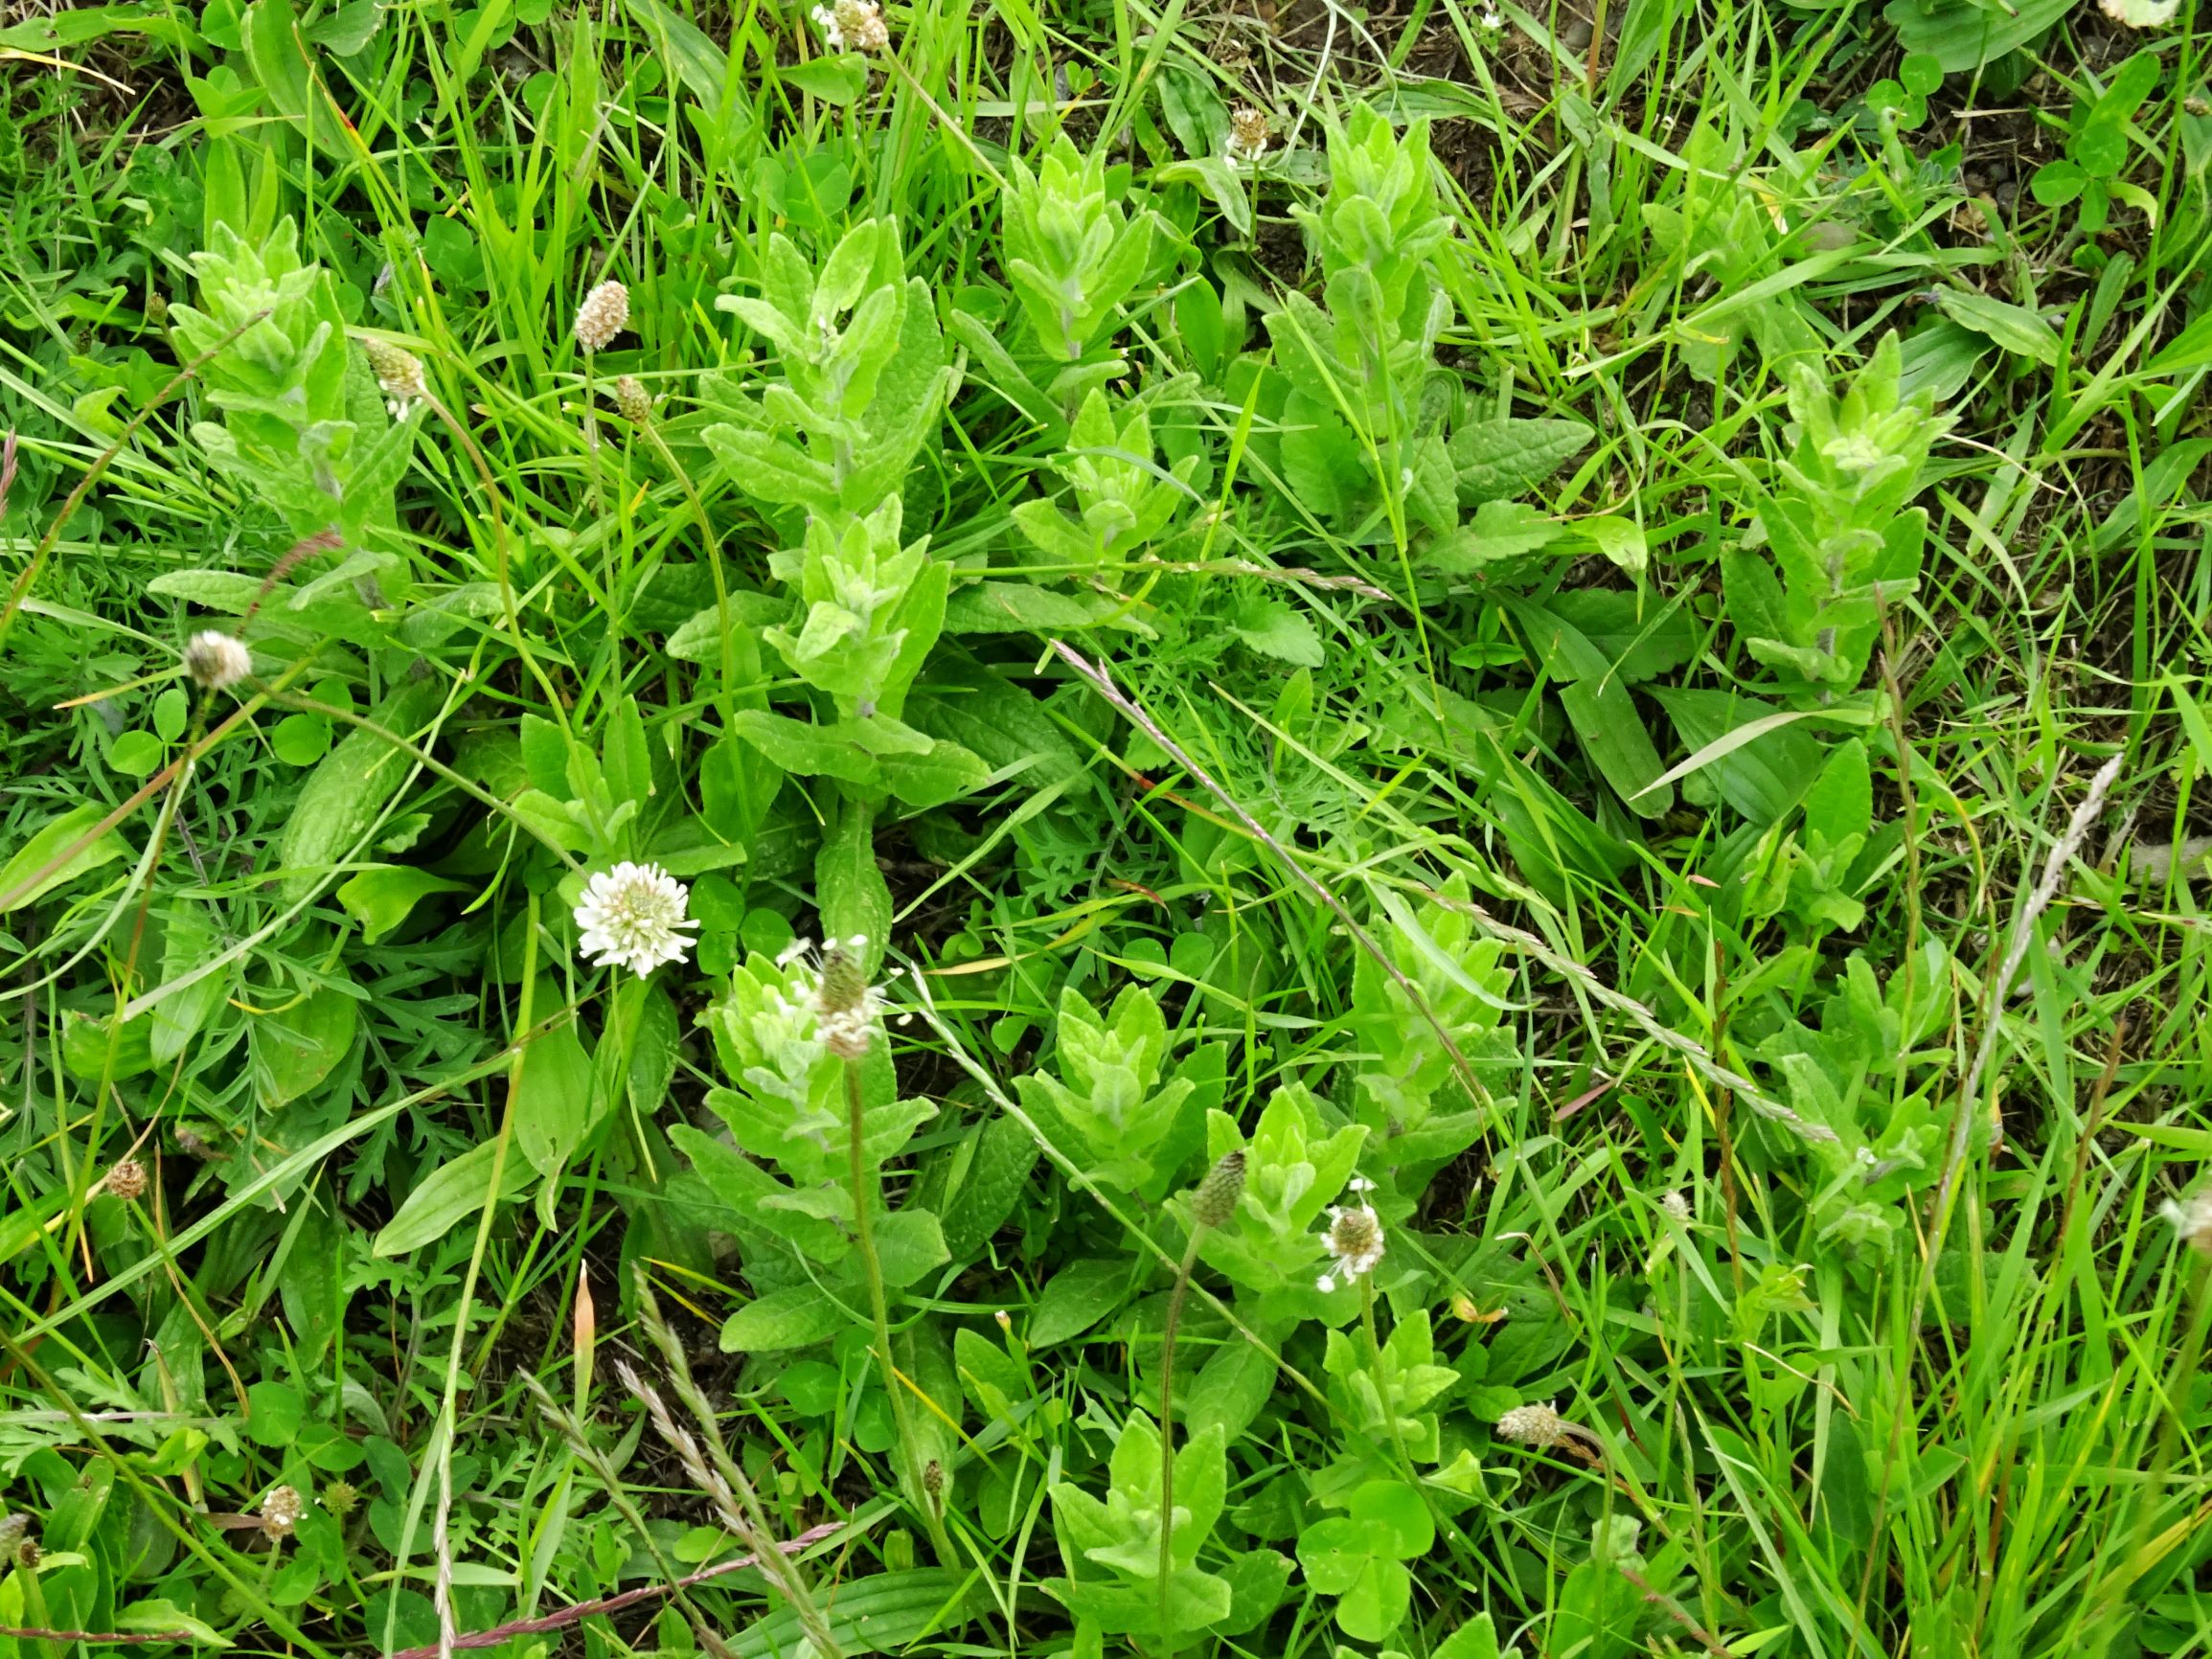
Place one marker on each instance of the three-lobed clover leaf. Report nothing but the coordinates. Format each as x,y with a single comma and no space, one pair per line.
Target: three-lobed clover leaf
1359,1557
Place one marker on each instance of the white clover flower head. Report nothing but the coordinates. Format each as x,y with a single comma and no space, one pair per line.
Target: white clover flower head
1534,1425
860,25
281,1511
826,20
632,917
1354,1237
1247,135
2140,14
1675,1205
603,315
214,660
2192,1219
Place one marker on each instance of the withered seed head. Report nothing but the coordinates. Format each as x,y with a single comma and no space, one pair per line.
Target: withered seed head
126,1180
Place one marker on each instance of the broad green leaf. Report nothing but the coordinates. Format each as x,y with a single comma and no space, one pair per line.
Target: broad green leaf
45,861
807,751
1500,459
877,1613
553,1099
699,65
349,789
159,1615
848,886
1273,629
1499,529
944,773
997,1171
192,939
1760,762
909,1244
448,1195
2014,327
296,1046
381,898
837,80
795,1318
1074,1299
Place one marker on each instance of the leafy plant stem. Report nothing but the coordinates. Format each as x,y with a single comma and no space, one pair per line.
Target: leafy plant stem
1376,1358
1168,1426
864,1193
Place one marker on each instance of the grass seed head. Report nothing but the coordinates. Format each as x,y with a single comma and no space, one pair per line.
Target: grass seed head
398,376
603,315
1534,1425
1354,1239
1216,1199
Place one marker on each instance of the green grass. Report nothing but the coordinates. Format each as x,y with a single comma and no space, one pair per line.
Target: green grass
1597,834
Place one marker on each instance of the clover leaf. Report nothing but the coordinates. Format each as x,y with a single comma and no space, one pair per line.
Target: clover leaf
1356,1557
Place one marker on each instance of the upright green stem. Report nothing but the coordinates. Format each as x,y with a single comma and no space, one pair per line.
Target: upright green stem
1381,1366
1168,1430
864,1231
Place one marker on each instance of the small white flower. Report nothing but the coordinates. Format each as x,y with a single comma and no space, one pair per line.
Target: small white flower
2192,1218
1492,22
844,1006
853,26
281,1511
1360,1183
632,917
1354,1239
214,659
398,376
1247,136
2141,13
1675,1205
